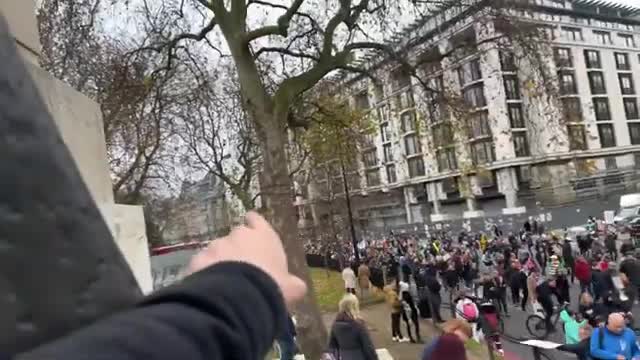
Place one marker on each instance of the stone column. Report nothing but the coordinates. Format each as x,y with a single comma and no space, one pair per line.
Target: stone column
409,195
434,193
508,186
470,196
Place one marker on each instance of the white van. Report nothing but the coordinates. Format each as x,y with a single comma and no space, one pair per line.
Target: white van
629,208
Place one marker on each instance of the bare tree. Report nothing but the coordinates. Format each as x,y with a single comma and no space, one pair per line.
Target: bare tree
219,137
137,101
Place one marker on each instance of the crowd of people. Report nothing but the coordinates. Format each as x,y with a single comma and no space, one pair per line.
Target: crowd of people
532,269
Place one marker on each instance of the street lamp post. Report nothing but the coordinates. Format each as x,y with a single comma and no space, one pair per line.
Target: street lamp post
354,241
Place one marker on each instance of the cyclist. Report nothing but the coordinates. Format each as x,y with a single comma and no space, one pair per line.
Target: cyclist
544,292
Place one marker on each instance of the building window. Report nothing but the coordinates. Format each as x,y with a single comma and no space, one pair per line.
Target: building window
474,96
627,40
577,137
607,136
400,78
442,135
469,72
446,159
408,121
622,61
373,177
634,133
596,82
601,108
603,37
515,116
507,61
626,84
362,101
592,59
610,163
520,143
631,108
416,166
391,174
512,88
404,100
563,57
482,152
388,153
385,132
479,125
370,158
570,33
571,110
412,145
567,83
378,91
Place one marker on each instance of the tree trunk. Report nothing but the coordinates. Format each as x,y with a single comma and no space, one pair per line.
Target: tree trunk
277,193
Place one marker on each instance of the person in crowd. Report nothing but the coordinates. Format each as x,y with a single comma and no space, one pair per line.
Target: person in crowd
627,247
591,311
582,348
610,245
349,337
583,274
200,317
287,340
567,256
544,292
446,346
449,345
563,292
571,326
601,281
630,266
364,281
410,313
527,226
515,282
349,278
435,299
614,341
395,307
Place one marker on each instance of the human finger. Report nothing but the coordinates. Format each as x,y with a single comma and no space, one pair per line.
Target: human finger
258,222
293,288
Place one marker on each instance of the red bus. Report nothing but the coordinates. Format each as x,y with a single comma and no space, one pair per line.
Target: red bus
194,245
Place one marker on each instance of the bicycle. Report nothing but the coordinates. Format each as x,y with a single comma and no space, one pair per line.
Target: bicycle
537,326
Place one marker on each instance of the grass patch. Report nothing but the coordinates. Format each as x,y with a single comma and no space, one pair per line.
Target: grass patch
329,288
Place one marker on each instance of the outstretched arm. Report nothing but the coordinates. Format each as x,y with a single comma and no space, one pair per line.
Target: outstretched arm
227,311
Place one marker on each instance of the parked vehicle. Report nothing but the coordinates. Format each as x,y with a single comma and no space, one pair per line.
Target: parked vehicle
629,209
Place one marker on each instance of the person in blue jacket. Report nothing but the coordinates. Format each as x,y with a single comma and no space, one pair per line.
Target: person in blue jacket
614,341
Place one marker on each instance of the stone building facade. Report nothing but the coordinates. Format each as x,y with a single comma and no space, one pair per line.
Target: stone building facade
528,141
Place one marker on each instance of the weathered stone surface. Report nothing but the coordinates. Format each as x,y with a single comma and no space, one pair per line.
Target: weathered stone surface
59,266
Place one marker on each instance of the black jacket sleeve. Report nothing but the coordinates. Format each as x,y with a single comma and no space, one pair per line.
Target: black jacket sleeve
227,311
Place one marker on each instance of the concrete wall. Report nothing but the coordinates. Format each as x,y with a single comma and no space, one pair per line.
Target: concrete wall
128,228
21,16
80,123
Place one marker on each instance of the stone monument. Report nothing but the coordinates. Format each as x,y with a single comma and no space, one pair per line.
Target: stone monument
80,123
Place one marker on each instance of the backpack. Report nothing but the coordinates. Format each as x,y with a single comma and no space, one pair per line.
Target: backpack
469,311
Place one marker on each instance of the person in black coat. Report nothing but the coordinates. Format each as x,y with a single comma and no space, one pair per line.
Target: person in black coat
349,337
199,318
567,255
603,286
435,299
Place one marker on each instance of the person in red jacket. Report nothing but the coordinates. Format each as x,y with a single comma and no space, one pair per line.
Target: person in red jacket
583,274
